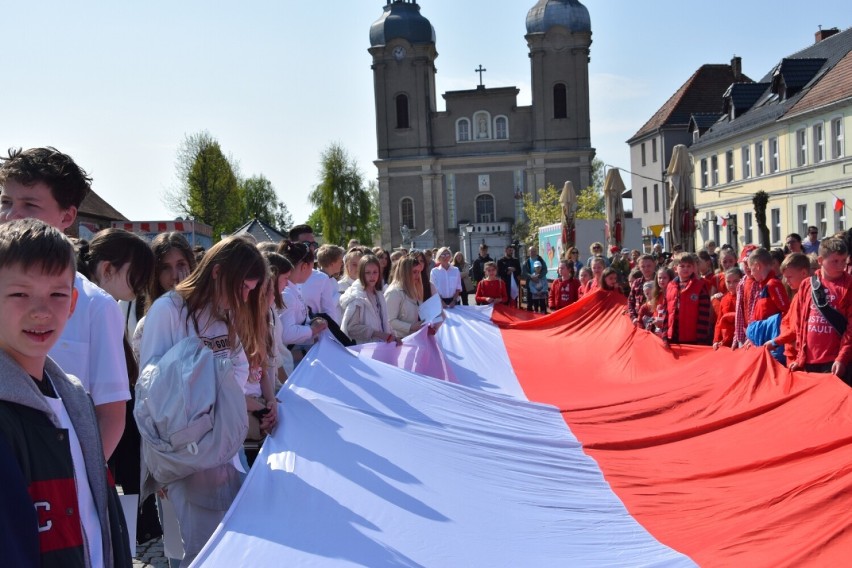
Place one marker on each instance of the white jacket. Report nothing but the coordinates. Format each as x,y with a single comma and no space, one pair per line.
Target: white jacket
403,311
362,318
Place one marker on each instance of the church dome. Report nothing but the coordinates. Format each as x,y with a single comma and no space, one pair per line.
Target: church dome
567,13
401,20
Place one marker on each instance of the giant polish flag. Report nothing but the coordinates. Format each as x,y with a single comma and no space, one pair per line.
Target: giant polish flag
572,439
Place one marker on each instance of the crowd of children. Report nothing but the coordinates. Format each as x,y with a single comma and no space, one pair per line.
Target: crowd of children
261,307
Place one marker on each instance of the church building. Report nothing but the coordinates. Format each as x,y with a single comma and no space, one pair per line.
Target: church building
457,177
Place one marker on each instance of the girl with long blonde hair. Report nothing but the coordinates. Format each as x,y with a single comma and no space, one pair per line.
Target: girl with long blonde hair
222,303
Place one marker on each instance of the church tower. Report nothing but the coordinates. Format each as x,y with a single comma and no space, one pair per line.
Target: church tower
402,43
559,35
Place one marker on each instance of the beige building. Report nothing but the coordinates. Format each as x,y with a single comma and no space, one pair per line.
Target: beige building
697,101
458,176
784,135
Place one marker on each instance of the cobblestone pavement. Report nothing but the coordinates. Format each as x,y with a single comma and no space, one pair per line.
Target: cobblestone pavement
150,554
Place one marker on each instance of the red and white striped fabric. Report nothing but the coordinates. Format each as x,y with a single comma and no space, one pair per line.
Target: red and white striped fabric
572,439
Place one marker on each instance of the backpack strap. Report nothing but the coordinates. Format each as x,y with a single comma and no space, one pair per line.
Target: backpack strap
835,318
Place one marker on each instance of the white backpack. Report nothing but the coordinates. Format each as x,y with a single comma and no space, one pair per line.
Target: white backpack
191,414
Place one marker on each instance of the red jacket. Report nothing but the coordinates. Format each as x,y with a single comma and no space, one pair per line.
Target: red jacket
491,289
688,310
725,320
563,293
771,298
801,312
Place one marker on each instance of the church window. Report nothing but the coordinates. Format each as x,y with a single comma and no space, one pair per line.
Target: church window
402,111
485,209
501,128
560,101
463,130
406,212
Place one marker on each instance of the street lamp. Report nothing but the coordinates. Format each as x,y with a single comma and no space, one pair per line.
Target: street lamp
469,231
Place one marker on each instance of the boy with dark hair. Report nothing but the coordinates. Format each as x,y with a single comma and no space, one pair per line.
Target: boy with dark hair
45,184
760,295
795,270
687,316
477,268
46,418
823,306
303,234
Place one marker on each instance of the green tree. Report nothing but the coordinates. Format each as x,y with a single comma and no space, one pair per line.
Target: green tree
590,204
261,201
539,213
341,199
374,226
590,201
315,221
208,189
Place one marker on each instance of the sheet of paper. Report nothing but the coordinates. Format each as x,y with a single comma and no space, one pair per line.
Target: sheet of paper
431,310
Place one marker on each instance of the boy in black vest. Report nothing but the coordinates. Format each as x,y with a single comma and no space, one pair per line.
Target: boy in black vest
47,419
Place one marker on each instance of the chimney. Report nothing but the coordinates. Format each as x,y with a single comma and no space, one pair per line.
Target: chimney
737,67
824,34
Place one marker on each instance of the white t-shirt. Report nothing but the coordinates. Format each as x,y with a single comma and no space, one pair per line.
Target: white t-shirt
320,293
447,282
85,501
295,327
91,346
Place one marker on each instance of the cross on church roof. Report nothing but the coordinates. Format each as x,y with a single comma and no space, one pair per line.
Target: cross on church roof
480,71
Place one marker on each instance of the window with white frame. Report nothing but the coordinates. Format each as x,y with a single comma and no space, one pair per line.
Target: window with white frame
746,154
653,149
748,224
775,216
656,198
642,150
485,208
644,200
840,218
774,164
703,172
733,228
801,147
406,212
501,128
821,220
801,219
837,138
462,130
729,165
714,167
819,143
758,159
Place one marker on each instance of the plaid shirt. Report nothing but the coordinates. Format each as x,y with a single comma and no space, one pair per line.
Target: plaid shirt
636,297
745,306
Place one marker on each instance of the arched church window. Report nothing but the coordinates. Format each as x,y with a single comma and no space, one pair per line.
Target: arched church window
406,212
501,128
560,101
485,209
402,111
463,130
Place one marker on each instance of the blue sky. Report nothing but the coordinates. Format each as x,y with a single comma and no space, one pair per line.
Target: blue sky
118,84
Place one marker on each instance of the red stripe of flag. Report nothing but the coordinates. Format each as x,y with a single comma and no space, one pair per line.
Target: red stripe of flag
725,456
